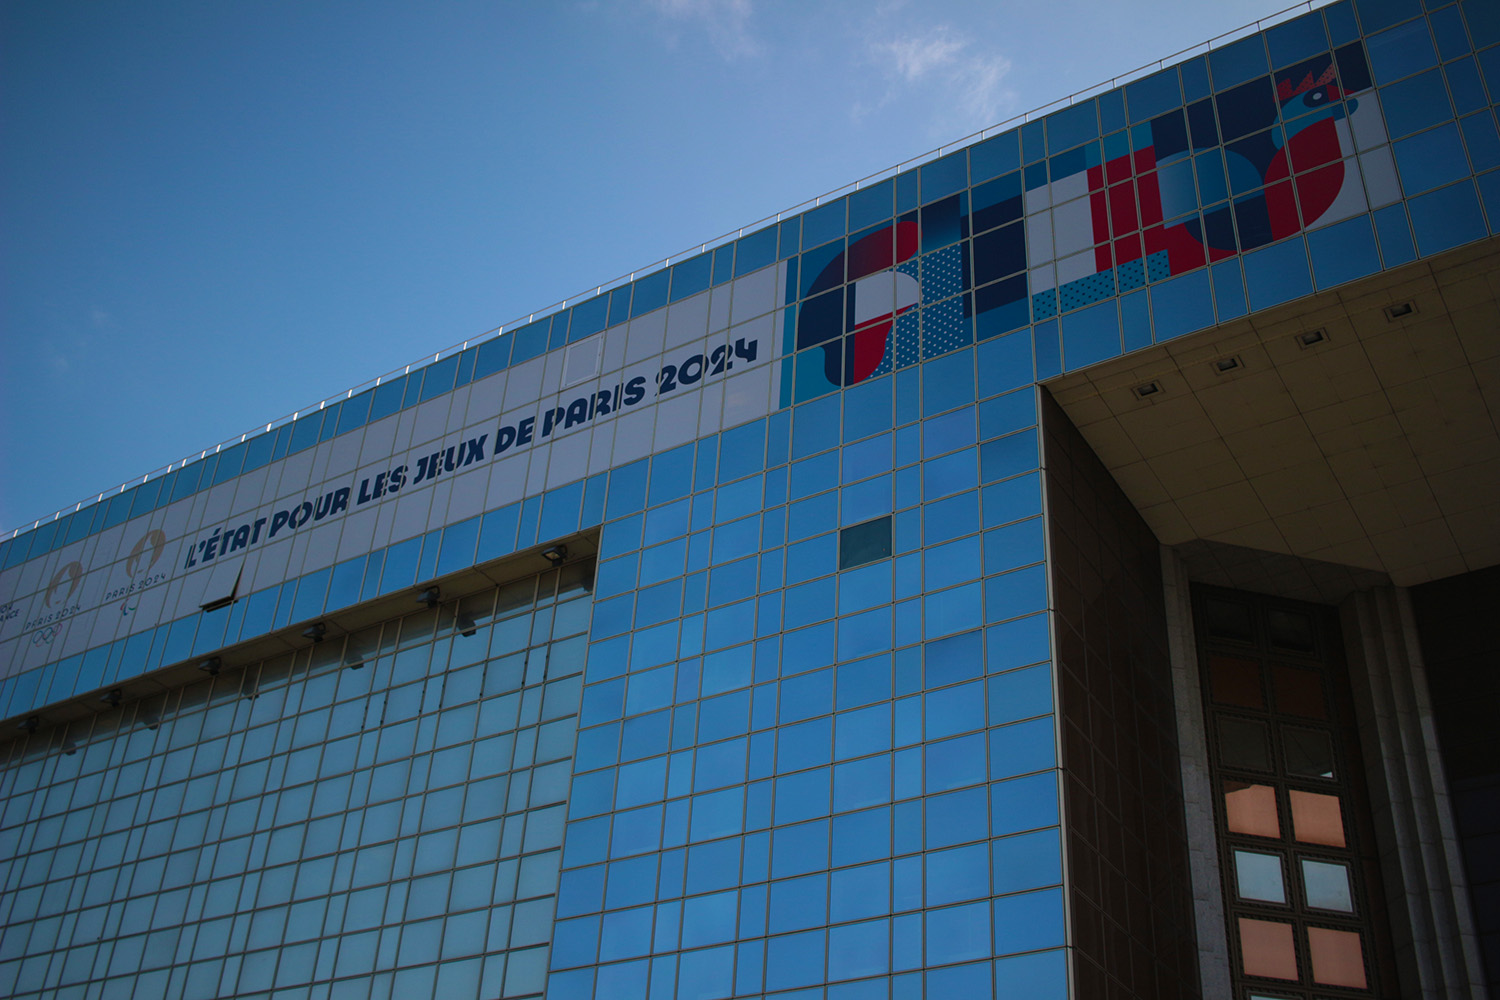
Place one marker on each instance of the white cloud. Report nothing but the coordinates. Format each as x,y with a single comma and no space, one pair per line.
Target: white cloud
917,57
948,68
726,22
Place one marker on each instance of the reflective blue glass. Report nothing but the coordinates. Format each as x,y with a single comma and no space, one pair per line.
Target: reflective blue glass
956,817
1277,273
1153,95
1401,51
1483,21
951,473
948,382
795,960
1042,975
955,763
1021,747
1297,39
1394,232
1465,86
1431,159
1343,252
1446,218
806,744
1229,290
814,475
958,934
867,458
1020,694
948,432
796,850
1027,861
1023,803
1377,14
1415,103
1482,141
1240,61
944,176
709,919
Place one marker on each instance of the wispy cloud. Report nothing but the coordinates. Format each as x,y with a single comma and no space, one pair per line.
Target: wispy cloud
946,67
726,22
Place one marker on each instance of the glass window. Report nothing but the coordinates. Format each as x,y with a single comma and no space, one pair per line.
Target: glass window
1327,885
863,543
1259,876
1244,743
1250,808
1308,753
1266,949
1317,818
1235,681
1337,957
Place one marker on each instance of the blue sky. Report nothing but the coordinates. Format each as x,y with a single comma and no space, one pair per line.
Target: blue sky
214,214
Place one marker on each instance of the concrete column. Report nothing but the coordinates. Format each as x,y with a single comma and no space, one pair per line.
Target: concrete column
1437,952
1197,788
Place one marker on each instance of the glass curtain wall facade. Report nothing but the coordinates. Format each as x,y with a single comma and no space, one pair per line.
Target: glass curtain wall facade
383,812
839,728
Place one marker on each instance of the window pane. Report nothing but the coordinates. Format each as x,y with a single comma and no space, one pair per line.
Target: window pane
1317,819
1337,957
1327,886
1236,682
1290,630
1251,809
1229,620
864,543
1308,753
1242,743
1299,692
1266,949
1260,876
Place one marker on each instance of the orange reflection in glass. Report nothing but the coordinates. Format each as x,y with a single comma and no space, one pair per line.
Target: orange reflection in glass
1299,692
1251,809
1338,959
1317,819
1236,681
1266,949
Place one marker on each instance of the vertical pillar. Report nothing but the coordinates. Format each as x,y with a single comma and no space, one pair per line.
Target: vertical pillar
1197,788
1437,952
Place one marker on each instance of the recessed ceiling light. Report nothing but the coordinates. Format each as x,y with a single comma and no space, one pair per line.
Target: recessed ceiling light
1147,390
1224,366
1311,337
1399,310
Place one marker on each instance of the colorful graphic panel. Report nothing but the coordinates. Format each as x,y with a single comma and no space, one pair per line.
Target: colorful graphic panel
1186,187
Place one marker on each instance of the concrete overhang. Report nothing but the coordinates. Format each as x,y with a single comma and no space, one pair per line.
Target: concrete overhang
1376,447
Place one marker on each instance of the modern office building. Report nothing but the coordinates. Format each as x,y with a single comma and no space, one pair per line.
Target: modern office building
1064,568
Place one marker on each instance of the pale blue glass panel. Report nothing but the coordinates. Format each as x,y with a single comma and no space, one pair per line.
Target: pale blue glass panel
1446,218
1182,305
1394,232
1431,159
1027,861
1090,335
1038,976
1028,921
1401,51
1277,274
1259,876
1327,885
1343,252
1377,14
1229,289
958,933
1415,103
